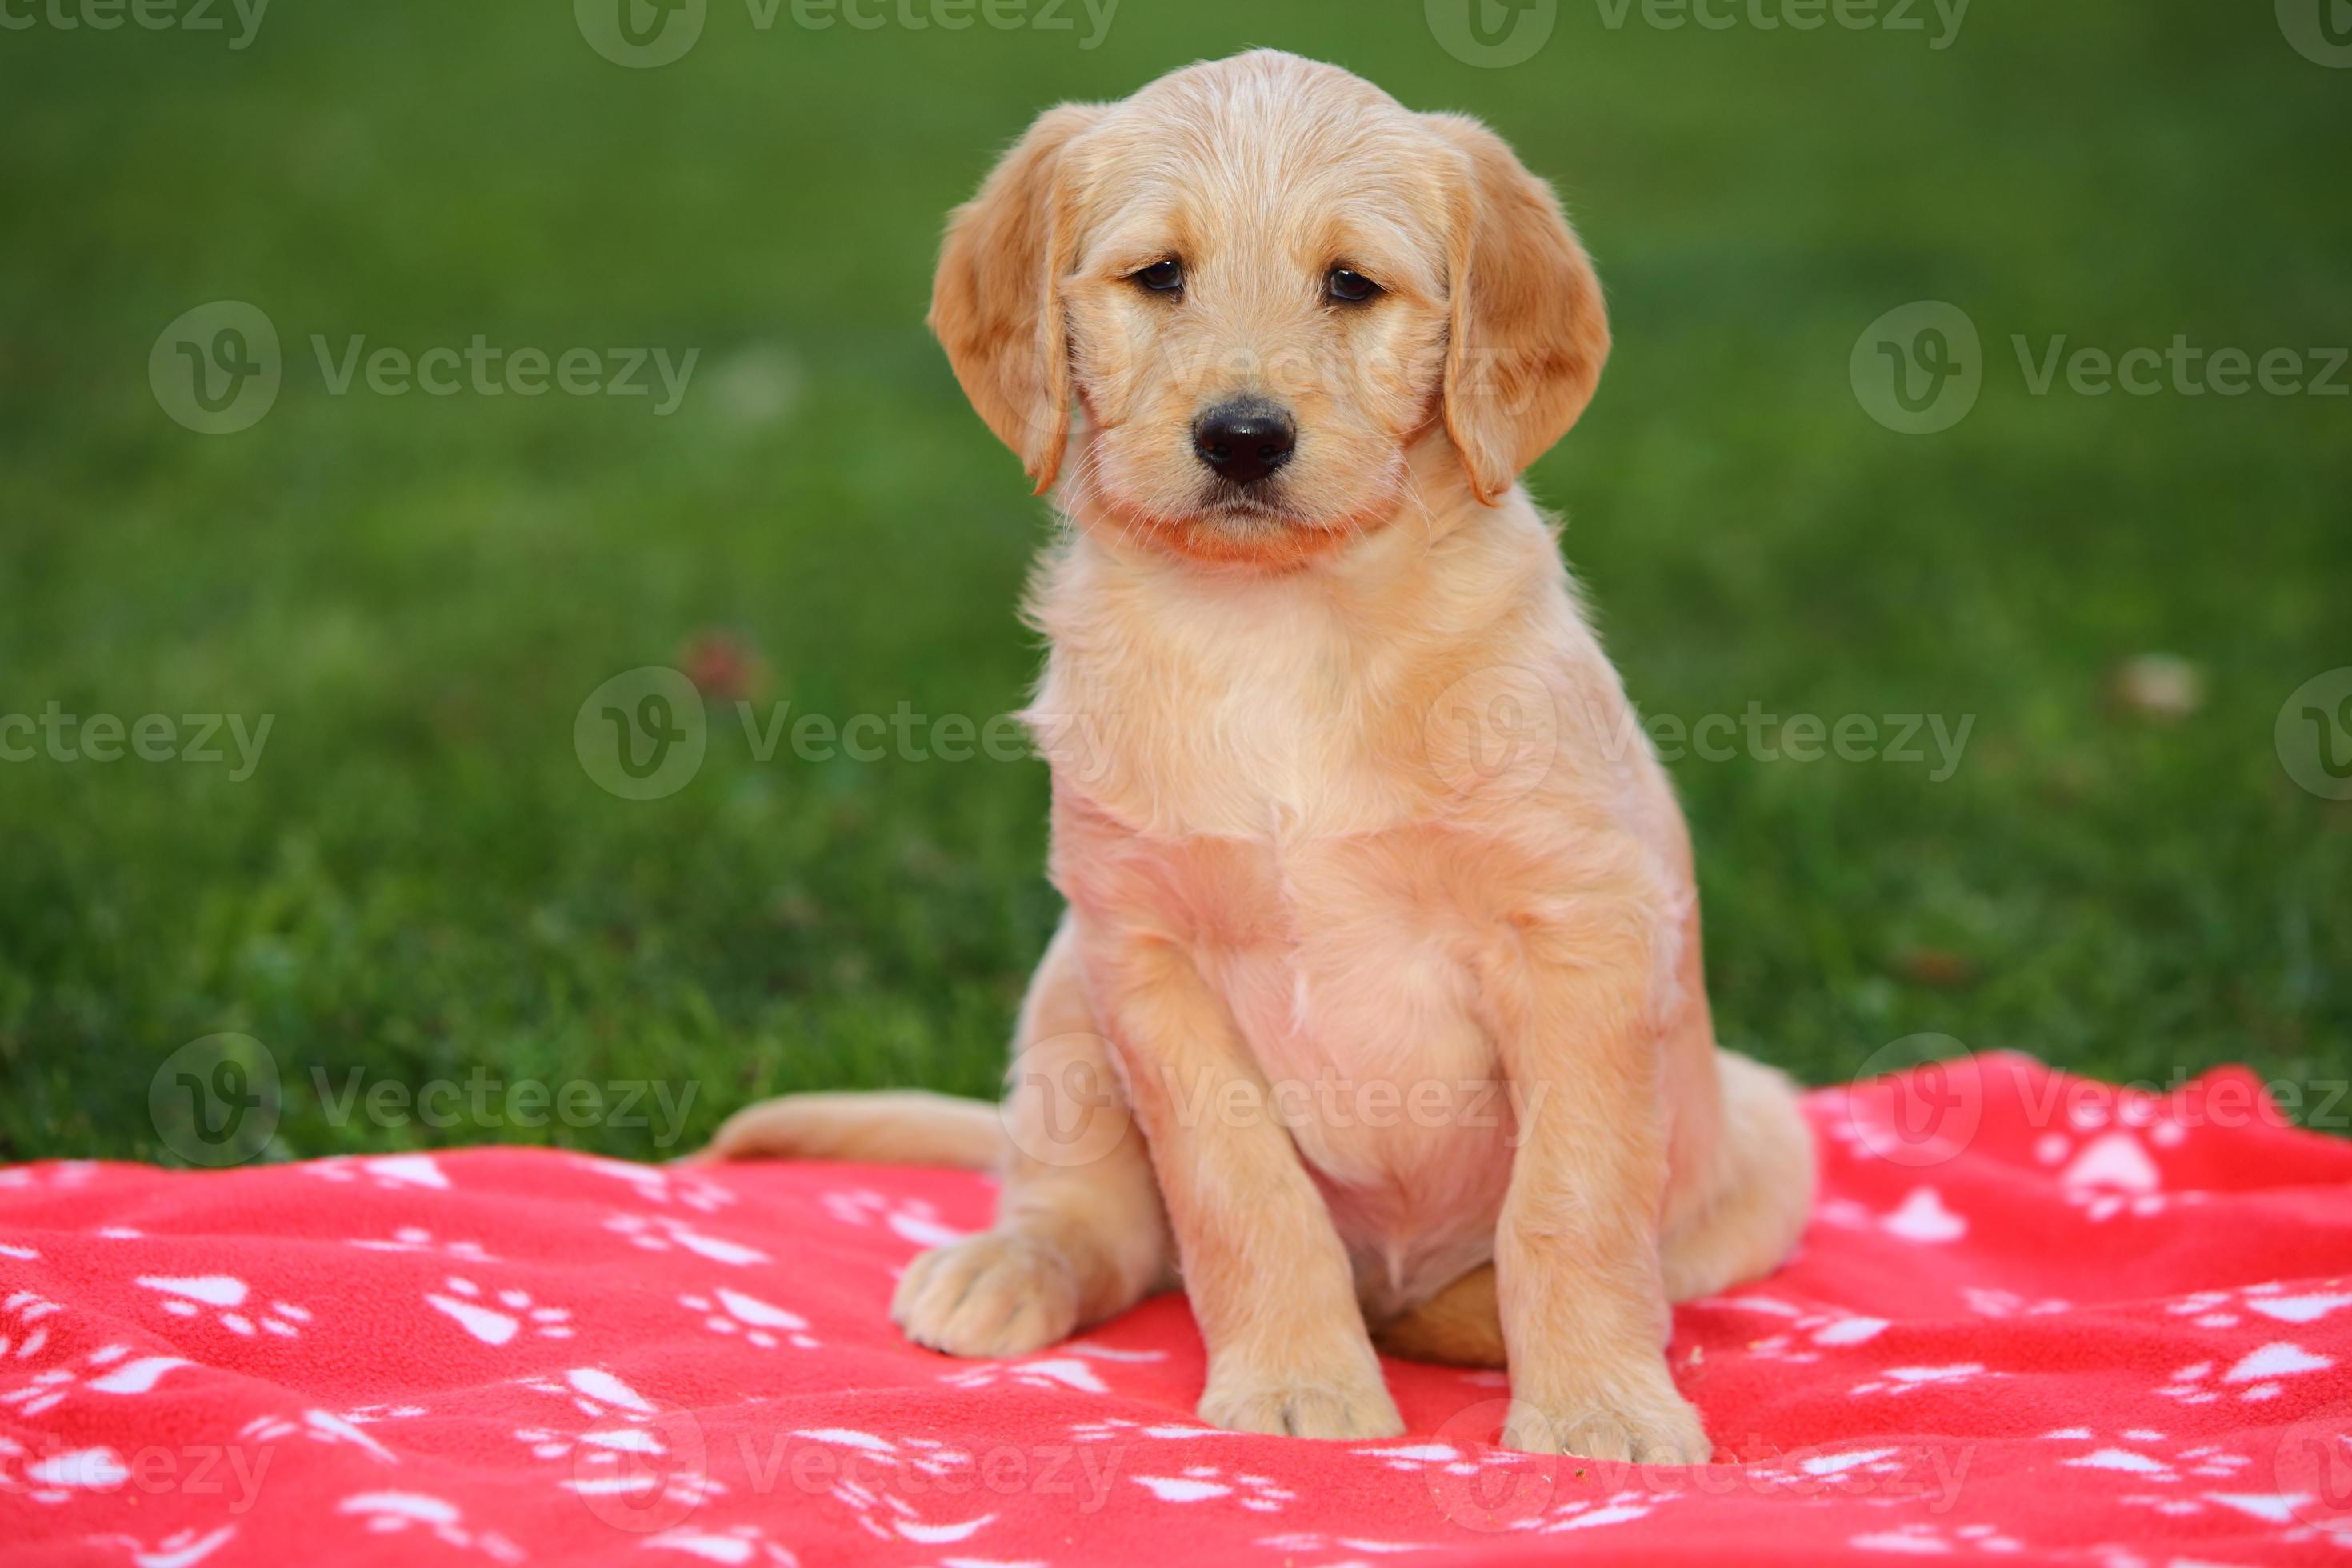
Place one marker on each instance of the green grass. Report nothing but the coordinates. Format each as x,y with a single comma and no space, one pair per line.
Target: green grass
420,879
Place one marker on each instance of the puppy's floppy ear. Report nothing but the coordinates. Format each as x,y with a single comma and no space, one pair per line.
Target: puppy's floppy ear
995,301
1529,331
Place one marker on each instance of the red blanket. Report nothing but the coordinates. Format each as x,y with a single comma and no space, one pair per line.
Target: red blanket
2036,1320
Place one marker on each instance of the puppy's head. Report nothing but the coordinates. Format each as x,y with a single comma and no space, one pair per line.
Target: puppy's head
1263,281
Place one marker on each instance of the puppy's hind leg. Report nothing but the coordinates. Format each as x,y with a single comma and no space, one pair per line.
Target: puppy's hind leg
1080,1235
1461,1325
1751,1213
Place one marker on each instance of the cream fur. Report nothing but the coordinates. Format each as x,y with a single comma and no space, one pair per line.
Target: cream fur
1345,788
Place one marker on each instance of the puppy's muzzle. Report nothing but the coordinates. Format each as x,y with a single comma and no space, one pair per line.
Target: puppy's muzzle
1245,439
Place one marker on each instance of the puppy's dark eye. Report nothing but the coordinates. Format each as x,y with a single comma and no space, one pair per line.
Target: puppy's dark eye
1349,286
1162,276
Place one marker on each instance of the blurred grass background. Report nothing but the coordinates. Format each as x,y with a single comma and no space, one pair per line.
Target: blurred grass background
420,879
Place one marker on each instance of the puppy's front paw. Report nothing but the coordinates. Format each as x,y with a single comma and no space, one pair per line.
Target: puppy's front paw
1356,1407
1000,1293
1639,1420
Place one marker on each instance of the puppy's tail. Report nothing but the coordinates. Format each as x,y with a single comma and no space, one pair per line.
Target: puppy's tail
889,1127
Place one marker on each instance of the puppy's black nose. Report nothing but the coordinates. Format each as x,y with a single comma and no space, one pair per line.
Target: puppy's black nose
1245,441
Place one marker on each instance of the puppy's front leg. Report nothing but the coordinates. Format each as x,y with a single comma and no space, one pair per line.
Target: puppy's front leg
1266,1273
1577,1272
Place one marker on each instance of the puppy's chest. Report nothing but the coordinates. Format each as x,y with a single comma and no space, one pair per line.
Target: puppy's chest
1348,965
1349,969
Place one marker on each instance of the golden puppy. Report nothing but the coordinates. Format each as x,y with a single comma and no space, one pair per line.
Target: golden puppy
1352,817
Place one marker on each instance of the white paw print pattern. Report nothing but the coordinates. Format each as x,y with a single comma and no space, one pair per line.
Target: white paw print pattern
2305,1303
1921,1216
2253,1377
1986,1303
181,1548
224,1297
615,1462
736,1546
1117,1428
1925,1539
882,1512
1431,1460
910,1219
393,1513
731,1311
1911,1379
318,1426
103,1371
1297,1543
27,1334
390,1173
2105,1169
514,1312
2090,1116
595,1393
416,1238
2280,1509
1813,1472
59,1476
2121,1453
1057,1371
1418,1458
368,1415
656,1184
612,1458
1618,1508
659,1233
1200,1483
1809,1333
62,1176
2206,1462
1065,1368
